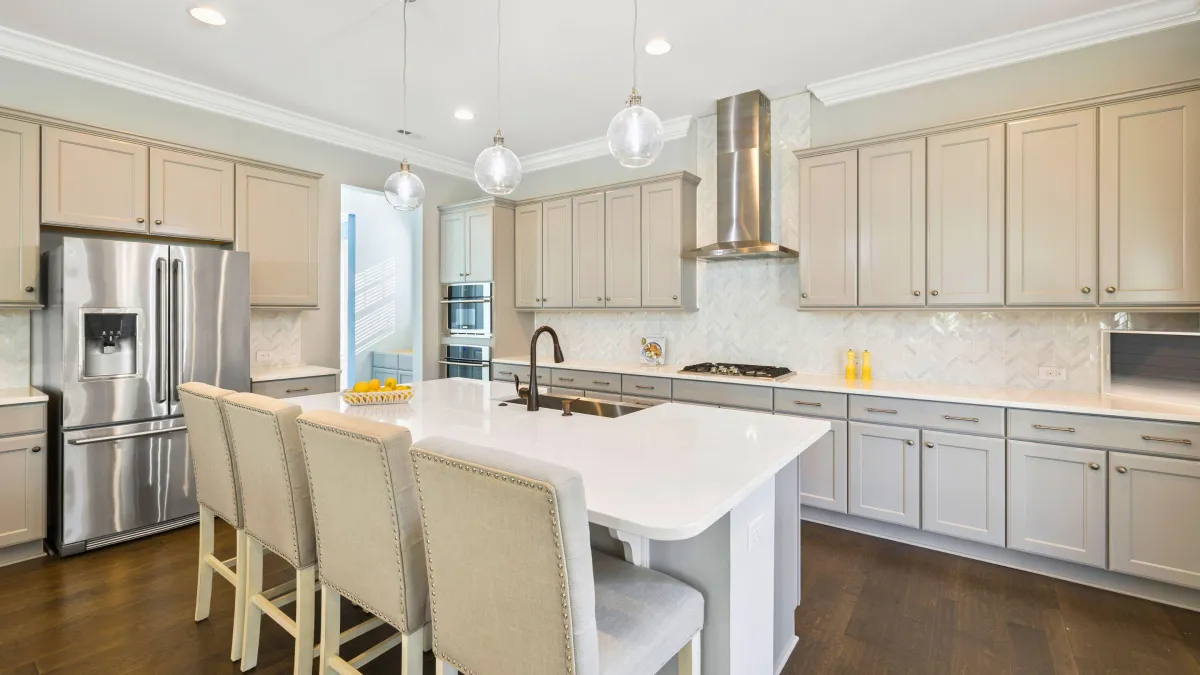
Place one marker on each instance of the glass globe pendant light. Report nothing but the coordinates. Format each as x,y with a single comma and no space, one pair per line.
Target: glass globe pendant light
404,189
635,135
497,169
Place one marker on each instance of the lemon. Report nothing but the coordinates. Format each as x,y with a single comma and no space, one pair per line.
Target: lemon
373,385
387,387
403,387
361,387
390,383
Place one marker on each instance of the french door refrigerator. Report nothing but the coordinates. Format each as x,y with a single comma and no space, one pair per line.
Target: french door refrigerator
124,324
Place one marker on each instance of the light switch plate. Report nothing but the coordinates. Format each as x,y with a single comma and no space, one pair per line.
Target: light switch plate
264,356
1055,374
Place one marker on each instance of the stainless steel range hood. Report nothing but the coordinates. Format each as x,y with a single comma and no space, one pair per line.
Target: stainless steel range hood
743,182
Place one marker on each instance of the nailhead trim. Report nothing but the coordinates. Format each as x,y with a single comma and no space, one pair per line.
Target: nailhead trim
555,529
387,475
233,486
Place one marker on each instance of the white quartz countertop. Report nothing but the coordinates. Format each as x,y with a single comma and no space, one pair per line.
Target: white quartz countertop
1007,397
20,395
268,374
666,473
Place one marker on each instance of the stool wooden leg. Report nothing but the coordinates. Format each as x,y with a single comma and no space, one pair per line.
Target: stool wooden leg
253,616
204,573
444,668
306,619
413,648
331,627
239,597
688,659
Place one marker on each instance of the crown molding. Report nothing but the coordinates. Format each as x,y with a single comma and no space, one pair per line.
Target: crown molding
1090,29
596,147
37,51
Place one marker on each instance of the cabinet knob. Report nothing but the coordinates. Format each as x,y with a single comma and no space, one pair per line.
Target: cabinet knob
29,289
674,297
1086,290
1111,289
804,295
928,444
916,292
608,299
1121,469
158,222
36,448
141,220
1094,466
908,443
599,299
931,293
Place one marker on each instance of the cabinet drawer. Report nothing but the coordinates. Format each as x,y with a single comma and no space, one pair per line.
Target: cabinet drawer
639,385
972,419
22,419
818,403
1162,438
586,379
641,400
603,395
505,373
725,395
565,392
302,386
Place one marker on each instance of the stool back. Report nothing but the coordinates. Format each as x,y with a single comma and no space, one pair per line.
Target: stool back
208,443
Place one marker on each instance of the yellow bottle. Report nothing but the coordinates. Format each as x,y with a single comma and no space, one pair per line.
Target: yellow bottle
866,367
849,364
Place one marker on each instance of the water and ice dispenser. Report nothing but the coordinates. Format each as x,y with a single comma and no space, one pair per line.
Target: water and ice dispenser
110,344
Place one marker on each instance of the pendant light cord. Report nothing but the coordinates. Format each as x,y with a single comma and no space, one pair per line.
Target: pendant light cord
499,34
404,78
633,43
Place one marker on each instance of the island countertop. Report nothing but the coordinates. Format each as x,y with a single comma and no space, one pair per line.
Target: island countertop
666,473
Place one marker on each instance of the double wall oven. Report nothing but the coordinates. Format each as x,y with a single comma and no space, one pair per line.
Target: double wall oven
467,316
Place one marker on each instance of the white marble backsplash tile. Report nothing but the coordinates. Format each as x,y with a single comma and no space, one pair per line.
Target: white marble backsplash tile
276,331
14,348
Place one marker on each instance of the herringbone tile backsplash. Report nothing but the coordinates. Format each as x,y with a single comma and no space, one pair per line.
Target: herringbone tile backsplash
14,348
277,332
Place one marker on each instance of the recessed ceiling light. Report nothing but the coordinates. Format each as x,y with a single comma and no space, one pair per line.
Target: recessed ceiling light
658,47
207,15
464,114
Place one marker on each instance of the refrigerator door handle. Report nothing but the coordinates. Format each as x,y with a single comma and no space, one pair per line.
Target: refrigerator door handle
176,315
161,374
122,437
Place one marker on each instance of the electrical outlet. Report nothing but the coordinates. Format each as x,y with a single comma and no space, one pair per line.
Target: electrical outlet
264,356
754,533
1056,374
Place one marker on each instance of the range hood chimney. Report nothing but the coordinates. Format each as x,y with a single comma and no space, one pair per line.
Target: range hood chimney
743,182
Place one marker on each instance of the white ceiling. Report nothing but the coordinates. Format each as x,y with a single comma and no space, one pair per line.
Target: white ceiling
566,62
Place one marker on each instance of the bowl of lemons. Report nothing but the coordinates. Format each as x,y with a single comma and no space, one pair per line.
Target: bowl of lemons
374,392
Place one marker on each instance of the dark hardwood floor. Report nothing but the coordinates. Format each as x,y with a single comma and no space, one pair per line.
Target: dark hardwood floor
870,606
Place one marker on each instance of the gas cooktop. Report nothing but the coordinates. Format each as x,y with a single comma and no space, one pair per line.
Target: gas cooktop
739,370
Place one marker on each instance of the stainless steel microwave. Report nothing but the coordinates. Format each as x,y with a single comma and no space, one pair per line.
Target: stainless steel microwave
467,309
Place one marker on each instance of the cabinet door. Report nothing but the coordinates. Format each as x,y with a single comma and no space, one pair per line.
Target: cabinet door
587,244
823,470
479,245
885,473
18,212
966,217
662,224
1051,215
891,224
191,196
829,230
962,486
527,228
1150,201
92,181
452,241
556,254
623,247
1152,531
1057,502
22,489
277,223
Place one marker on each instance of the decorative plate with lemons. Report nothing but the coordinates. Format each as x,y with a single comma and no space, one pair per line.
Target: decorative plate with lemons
375,393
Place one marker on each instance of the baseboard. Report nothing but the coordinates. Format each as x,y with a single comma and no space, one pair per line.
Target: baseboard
21,552
787,654
1147,589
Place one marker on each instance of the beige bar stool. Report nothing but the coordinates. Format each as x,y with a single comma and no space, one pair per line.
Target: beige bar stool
515,587
368,534
217,492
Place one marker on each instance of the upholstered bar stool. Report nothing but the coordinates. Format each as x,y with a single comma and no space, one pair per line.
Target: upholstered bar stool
515,587
369,543
218,494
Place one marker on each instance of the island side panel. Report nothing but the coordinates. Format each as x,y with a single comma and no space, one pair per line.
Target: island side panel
787,561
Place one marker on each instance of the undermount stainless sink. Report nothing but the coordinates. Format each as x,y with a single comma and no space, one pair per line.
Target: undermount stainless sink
583,406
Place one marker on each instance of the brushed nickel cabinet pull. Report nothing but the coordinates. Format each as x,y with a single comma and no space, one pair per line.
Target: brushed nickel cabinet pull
909,442
567,379
804,295
644,386
1121,469
881,410
1094,466
29,289
1111,289
293,391
1046,428
36,448
603,383
808,403
928,444
1159,439
1086,290
960,419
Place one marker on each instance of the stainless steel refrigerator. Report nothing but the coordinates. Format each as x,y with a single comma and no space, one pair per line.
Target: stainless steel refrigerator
124,324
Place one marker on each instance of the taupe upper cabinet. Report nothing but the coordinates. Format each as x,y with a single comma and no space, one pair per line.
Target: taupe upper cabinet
479,245
966,217
527,255
1150,201
18,212
829,230
191,195
623,243
891,224
556,254
277,219
587,244
663,239
452,241
1051,220
93,181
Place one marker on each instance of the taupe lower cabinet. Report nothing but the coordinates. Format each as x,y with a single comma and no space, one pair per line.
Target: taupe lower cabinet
963,486
18,213
829,230
22,489
1152,505
891,224
276,217
1057,501
823,470
885,473
94,181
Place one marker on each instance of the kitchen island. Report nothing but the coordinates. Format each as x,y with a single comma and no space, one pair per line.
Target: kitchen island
706,495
